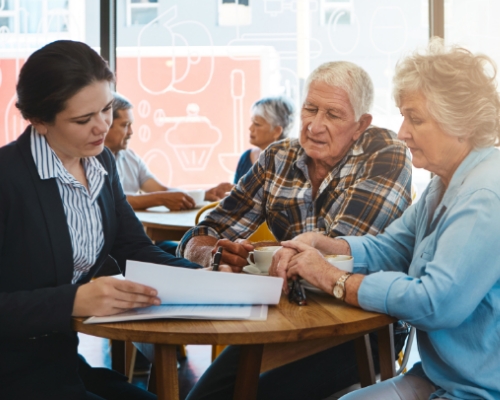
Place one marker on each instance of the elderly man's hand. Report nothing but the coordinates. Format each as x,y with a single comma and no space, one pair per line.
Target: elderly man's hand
280,265
235,254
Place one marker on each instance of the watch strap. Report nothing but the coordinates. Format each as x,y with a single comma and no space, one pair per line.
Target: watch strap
341,285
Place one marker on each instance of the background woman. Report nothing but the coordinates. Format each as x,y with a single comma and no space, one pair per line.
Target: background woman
272,120
62,211
439,261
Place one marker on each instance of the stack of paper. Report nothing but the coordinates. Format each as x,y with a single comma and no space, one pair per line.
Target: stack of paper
195,294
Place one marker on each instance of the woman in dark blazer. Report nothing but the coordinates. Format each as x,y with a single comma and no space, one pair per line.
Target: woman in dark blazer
57,230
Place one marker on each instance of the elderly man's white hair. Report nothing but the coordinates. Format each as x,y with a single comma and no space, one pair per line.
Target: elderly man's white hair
349,77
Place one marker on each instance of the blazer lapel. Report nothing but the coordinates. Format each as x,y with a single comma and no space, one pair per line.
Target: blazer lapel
53,211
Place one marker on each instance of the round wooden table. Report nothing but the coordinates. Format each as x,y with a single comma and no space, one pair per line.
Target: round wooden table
161,224
290,332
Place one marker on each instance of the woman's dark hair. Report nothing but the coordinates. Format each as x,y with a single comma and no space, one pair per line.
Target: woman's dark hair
54,74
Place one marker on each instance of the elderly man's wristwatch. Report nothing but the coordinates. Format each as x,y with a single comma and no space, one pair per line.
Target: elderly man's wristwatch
339,288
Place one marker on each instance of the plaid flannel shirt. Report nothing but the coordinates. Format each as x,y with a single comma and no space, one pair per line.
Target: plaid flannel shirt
364,192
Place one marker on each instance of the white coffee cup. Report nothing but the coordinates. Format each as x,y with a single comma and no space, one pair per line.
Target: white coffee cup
262,257
198,195
342,262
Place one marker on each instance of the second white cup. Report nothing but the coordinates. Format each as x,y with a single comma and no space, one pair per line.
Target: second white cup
198,196
342,262
262,257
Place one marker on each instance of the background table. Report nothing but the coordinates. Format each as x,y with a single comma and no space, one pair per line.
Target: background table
290,333
161,224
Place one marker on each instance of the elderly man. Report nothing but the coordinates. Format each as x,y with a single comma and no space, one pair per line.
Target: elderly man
134,174
341,177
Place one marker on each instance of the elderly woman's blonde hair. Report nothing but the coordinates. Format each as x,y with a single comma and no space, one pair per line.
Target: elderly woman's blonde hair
460,89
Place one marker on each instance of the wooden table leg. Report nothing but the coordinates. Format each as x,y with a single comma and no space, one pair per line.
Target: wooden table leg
247,378
364,359
386,353
167,380
118,356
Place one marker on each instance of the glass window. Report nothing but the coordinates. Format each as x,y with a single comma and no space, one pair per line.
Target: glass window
25,26
198,67
336,11
235,12
141,12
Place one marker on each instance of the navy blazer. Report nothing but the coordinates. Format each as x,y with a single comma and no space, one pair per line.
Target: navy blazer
38,348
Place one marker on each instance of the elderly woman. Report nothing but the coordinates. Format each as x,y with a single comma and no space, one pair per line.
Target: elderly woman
62,211
437,266
272,120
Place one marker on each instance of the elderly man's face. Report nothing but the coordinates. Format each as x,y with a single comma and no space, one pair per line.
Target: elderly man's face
328,126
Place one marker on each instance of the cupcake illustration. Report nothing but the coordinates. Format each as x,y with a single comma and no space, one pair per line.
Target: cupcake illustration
193,139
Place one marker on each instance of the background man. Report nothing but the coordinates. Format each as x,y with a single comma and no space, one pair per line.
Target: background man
134,174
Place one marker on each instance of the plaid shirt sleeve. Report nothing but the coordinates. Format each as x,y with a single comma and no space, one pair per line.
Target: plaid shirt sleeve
239,214
379,194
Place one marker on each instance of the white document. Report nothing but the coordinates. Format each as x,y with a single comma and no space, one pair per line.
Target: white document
188,293
176,285
219,312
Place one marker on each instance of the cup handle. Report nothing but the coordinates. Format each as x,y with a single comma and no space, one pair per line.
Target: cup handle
249,258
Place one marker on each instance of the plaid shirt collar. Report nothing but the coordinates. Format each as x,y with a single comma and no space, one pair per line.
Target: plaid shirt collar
356,150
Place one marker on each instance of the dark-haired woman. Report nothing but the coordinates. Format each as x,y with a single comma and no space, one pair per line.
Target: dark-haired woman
62,211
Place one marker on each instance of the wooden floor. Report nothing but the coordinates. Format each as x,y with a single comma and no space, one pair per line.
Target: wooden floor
96,352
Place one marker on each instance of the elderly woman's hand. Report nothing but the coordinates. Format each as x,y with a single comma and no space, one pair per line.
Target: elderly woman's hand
279,265
309,264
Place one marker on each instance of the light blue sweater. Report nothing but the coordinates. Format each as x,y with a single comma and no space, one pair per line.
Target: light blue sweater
441,274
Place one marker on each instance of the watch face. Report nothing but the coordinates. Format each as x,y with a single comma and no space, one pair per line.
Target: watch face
338,292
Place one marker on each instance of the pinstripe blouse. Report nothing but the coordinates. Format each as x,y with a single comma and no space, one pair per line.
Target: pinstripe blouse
83,213
364,192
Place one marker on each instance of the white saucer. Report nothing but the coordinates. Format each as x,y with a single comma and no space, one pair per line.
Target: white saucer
308,286
253,270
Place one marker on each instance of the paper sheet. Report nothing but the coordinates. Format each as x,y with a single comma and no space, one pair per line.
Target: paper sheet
187,286
187,293
218,312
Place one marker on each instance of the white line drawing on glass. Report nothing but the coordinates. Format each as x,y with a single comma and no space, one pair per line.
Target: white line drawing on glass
144,133
332,29
166,20
275,7
474,24
229,161
277,40
388,30
158,117
157,156
144,108
193,138
388,35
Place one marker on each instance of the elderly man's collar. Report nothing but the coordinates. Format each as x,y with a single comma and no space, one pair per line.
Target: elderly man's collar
356,150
